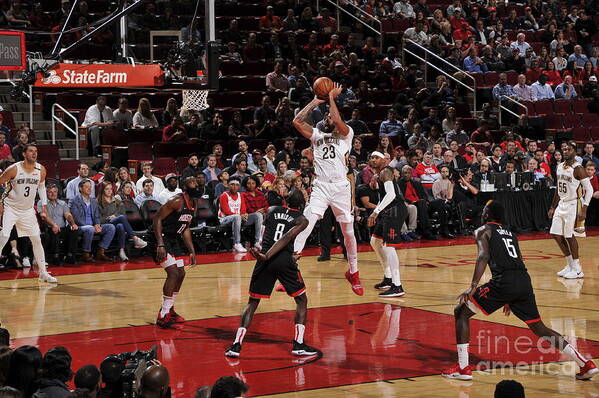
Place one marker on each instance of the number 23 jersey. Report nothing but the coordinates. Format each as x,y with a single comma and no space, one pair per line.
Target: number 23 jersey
329,153
278,221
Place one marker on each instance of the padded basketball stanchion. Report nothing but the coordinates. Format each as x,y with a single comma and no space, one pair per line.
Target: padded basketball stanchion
133,169
107,153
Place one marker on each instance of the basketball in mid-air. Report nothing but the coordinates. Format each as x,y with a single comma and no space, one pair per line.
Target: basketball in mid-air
322,86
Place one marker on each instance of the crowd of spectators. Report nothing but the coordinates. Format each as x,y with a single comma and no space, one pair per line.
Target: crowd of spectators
27,373
442,162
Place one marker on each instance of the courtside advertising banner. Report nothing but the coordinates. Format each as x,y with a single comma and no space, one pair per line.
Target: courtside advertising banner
101,75
12,51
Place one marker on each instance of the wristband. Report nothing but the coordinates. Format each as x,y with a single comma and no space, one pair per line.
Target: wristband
160,246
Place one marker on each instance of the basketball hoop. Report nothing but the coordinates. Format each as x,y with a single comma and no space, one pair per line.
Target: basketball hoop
195,99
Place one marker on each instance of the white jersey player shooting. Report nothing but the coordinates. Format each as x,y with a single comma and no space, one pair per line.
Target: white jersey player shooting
26,179
569,210
331,186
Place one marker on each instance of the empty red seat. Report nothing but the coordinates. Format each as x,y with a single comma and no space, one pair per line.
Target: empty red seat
512,77
67,168
562,106
581,134
580,106
554,122
544,107
479,78
140,151
571,120
164,166
594,133
590,119
530,106
491,79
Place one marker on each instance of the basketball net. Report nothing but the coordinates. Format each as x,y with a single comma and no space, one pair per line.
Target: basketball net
195,99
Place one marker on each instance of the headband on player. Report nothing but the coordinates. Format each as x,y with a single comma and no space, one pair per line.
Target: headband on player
377,153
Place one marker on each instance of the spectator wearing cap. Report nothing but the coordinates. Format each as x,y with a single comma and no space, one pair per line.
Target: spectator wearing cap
528,20
473,63
270,21
589,87
566,90
403,9
276,81
332,46
541,89
457,21
172,188
521,44
5,151
451,9
326,23
523,91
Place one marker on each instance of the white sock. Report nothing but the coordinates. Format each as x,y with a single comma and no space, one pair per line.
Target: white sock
463,355
575,265
175,297
575,355
393,262
167,304
299,332
377,245
569,259
351,246
240,335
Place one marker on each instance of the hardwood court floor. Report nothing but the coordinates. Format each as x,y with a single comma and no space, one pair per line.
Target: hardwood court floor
371,347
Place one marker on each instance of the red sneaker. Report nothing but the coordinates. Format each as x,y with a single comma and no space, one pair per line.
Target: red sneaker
354,281
280,288
456,373
165,322
587,371
176,317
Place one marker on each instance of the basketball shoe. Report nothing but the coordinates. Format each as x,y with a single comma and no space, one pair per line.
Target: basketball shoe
456,373
234,351
303,349
564,271
393,291
166,321
354,281
587,371
385,284
176,317
574,273
46,277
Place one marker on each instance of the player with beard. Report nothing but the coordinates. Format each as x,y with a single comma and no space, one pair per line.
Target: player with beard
276,262
387,219
569,209
510,287
331,186
173,243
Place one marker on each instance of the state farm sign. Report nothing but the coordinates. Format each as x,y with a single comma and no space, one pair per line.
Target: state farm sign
101,75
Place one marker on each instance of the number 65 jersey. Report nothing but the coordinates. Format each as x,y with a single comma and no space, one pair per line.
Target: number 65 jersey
279,220
329,153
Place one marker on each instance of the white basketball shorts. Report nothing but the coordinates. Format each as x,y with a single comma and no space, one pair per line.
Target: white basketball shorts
24,220
564,219
334,194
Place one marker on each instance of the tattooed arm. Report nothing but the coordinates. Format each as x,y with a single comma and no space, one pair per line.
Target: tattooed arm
300,122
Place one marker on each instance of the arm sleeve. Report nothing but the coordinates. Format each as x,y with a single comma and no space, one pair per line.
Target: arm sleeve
41,190
388,198
588,191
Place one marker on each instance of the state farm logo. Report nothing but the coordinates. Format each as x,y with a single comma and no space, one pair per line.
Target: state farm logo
86,77
52,79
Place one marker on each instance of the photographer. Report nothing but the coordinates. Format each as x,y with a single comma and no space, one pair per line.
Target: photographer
155,382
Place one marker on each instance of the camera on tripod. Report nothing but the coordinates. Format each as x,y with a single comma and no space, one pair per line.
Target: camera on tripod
134,365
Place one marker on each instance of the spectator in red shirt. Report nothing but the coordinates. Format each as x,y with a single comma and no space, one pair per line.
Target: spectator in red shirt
482,136
414,194
332,46
270,21
233,210
255,201
457,21
553,76
427,171
593,210
543,166
327,23
252,50
174,132
463,32
5,152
